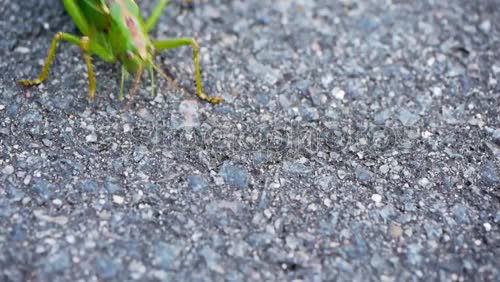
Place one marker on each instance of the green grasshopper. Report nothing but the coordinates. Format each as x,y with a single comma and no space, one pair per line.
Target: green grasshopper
115,31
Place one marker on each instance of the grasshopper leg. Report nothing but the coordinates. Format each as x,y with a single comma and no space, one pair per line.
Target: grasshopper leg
155,14
83,43
85,46
178,42
77,15
122,81
52,51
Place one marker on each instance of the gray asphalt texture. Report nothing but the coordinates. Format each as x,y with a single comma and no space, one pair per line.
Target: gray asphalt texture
358,141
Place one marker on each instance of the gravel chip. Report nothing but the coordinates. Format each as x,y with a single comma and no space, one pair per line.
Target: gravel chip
8,170
235,175
376,198
105,267
118,199
91,138
338,93
197,183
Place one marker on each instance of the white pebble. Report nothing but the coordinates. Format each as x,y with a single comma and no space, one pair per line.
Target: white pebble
8,170
327,202
376,198
424,182
268,213
27,180
341,174
118,199
312,207
384,169
22,50
137,269
338,93
91,138
426,134
437,91
326,80
274,185
26,200
495,69
70,239
485,26
126,128
57,202
487,226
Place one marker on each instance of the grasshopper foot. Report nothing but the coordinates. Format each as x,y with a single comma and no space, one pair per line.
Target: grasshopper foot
28,83
213,100
91,96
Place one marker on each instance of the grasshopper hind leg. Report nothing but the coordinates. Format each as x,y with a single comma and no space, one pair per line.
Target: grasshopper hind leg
155,15
179,42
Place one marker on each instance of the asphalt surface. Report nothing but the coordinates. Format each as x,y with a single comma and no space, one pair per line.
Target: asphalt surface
358,141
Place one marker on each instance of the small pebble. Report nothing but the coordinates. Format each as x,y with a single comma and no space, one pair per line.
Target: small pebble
91,138
485,26
22,50
376,198
424,182
27,180
384,169
341,174
8,170
197,183
57,202
137,268
268,213
326,80
395,230
26,200
487,226
47,142
118,199
235,175
70,239
426,134
437,91
338,93
327,202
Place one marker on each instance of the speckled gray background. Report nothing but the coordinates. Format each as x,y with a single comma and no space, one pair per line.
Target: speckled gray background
359,141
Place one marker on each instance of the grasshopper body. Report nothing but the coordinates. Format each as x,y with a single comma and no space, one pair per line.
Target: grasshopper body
115,31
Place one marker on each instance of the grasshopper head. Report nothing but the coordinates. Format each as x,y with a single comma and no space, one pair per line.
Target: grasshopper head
128,35
137,59
130,39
